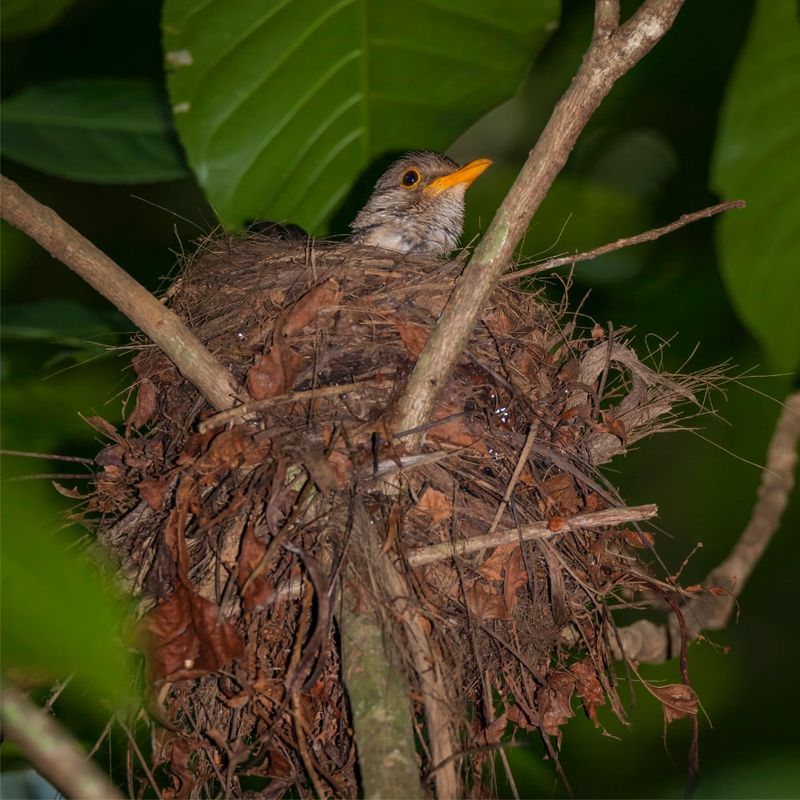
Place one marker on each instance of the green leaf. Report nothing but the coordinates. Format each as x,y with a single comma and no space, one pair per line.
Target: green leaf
62,321
57,614
757,157
25,17
281,106
98,130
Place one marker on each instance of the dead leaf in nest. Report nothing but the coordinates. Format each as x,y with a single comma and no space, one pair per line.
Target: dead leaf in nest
437,505
274,374
342,468
413,336
260,591
516,576
556,524
154,490
560,489
555,703
485,602
616,427
105,427
589,688
392,528
65,491
145,407
598,332
322,297
639,540
677,700
229,449
186,637
492,568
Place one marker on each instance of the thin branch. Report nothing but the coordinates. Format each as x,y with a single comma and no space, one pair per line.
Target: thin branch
217,420
628,241
606,60
648,641
51,749
163,326
536,530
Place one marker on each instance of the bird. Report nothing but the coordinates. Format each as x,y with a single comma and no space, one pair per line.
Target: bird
417,205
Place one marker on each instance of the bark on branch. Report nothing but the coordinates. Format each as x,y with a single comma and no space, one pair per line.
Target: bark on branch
650,642
163,326
614,50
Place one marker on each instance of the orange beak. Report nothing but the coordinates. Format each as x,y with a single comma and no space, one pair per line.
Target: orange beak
465,175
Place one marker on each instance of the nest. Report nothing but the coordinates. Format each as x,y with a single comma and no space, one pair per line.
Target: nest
245,538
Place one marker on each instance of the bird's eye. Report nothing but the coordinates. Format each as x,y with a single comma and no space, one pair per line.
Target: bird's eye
410,178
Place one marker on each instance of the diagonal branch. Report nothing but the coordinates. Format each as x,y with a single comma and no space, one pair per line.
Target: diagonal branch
51,749
610,55
628,241
648,641
163,326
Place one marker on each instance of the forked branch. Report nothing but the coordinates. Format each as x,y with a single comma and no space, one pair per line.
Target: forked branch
614,50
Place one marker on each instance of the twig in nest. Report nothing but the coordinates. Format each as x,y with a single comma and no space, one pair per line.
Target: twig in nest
647,641
536,530
217,420
628,241
163,326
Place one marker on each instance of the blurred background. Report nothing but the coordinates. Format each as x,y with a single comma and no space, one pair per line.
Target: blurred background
87,130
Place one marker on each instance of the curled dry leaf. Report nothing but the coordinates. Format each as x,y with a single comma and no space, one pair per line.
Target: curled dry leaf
555,704
589,688
677,700
260,590
145,407
437,505
413,336
186,637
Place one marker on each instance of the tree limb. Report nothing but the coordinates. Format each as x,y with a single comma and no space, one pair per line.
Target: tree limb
628,241
163,326
610,55
650,642
51,749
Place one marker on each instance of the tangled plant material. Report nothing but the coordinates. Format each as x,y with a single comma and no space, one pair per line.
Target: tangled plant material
238,532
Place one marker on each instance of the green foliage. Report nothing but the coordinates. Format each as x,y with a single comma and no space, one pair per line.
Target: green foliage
114,130
24,17
758,158
57,615
281,106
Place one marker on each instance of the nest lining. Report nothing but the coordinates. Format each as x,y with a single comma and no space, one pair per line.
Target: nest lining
232,536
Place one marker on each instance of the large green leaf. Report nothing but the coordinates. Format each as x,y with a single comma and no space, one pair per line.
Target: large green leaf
98,130
282,105
25,17
757,157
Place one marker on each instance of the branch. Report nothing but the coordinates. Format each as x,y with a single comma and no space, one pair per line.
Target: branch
640,238
647,641
536,530
163,326
609,56
51,749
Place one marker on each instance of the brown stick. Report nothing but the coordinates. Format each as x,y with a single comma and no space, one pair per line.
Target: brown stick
164,327
220,419
51,749
628,241
648,641
614,50
536,530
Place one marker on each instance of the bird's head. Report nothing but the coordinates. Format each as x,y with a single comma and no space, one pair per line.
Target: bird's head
418,204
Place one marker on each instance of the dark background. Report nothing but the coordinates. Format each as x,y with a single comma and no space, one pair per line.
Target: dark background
643,161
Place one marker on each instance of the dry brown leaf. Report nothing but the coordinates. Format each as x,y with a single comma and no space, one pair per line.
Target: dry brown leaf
516,576
437,505
413,336
274,373
485,602
145,407
260,591
677,700
154,490
589,688
186,637
322,297
555,703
